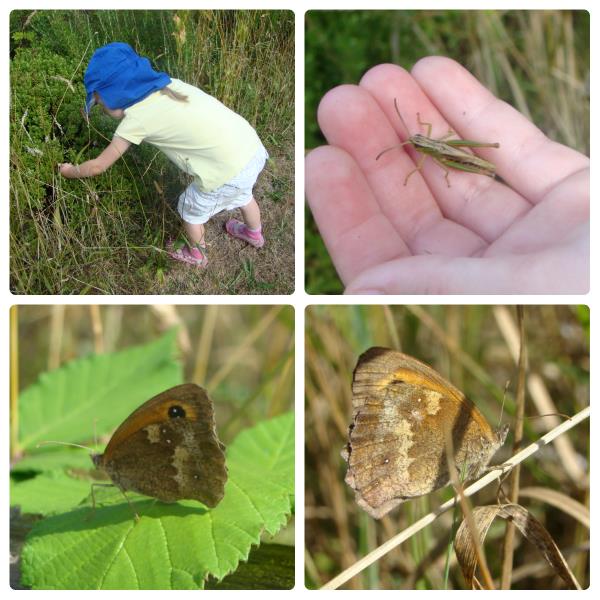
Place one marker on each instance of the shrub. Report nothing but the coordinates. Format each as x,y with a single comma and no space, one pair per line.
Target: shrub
106,234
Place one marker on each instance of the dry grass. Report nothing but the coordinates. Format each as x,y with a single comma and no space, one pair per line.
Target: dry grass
471,349
234,266
107,235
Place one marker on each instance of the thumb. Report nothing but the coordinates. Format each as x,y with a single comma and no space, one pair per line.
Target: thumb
435,274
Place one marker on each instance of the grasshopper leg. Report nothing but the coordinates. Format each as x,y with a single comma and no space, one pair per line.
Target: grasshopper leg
429,127
448,135
423,124
446,170
417,168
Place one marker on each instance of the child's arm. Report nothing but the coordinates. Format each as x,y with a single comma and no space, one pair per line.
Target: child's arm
98,165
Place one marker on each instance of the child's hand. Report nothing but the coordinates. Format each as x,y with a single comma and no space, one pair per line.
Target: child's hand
68,170
96,166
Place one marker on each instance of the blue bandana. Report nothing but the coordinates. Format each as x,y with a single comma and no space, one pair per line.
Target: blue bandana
120,77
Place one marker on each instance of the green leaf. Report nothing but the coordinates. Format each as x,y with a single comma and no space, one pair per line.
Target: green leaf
48,493
105,388
53,458
172,546
270,566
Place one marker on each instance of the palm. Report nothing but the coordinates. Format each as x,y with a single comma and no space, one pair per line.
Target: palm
477,236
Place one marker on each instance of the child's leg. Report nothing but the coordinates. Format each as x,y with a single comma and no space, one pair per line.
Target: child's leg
251,214
250,230
194,252
195,233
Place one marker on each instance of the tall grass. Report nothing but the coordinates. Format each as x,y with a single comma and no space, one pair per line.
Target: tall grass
107,235
538,61
469,345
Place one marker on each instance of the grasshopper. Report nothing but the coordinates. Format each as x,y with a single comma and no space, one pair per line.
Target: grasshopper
445,152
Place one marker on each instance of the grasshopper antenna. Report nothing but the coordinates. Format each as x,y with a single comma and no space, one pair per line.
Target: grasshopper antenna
405,127
399,115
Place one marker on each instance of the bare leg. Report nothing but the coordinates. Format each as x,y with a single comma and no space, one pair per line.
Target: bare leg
250,230
195,233
193,251
251,214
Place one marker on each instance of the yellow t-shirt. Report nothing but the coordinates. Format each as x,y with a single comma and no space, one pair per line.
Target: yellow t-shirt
202,136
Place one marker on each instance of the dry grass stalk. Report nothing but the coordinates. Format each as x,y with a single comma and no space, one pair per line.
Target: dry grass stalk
515,476
540,397
530,528
467,514
493,475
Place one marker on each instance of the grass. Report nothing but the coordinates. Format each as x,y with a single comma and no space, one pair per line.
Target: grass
470,346
107,235
538,61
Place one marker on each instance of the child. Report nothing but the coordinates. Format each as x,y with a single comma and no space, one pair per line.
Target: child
204,138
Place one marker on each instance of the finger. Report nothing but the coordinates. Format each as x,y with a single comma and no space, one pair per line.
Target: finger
474,201
551,222
357,234
558,271
527,160
352,120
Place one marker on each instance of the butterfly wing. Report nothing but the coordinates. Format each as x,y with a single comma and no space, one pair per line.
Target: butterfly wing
168,449
397,441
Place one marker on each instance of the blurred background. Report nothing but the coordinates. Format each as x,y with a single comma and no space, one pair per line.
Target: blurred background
537,61
476,349
243,355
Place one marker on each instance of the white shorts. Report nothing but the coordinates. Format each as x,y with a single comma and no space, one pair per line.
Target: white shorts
197,207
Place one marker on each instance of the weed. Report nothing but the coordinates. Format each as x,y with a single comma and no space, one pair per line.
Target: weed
107,234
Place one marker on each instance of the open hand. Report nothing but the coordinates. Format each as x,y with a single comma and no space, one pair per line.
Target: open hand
477,236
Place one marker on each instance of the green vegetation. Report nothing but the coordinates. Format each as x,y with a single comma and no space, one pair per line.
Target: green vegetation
538,61
108,234
64,394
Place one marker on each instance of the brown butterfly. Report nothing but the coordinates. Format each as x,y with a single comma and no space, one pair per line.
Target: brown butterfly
397,440
168,449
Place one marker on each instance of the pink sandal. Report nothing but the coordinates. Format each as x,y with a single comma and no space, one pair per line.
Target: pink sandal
194,256
240,230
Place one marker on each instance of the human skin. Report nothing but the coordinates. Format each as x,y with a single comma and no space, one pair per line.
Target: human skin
96,166
250,213
528,235
105,159
116,149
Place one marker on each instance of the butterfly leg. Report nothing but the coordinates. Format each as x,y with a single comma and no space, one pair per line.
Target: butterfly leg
95,485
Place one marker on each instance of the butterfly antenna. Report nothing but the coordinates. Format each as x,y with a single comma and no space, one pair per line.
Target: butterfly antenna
46,443
503,401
